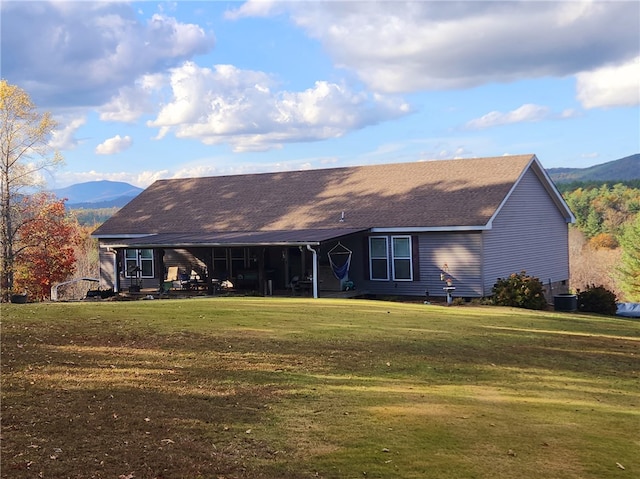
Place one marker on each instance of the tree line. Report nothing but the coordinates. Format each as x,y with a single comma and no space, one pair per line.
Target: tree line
604,208
608,215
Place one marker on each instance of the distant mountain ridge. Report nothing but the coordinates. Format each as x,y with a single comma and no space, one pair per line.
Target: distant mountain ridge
627,168
98,194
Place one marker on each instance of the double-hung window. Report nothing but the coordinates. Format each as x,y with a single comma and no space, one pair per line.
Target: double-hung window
379,258
138,263
390,258
401,253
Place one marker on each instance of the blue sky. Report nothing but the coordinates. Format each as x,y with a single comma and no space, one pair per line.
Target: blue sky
149,90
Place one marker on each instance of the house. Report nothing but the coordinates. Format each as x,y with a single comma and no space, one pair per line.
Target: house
404,229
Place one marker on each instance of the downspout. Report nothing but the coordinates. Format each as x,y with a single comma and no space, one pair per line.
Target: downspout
315,271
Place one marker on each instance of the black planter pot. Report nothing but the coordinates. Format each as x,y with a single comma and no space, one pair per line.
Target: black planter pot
19,298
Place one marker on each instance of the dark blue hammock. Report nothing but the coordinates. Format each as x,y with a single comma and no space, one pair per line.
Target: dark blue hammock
340,271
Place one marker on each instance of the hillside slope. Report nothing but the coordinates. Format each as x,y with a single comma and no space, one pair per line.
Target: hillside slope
627,168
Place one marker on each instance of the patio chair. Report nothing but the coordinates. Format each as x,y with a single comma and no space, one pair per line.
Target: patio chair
174,279
295,284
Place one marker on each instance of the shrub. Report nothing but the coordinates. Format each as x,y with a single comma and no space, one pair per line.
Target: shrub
482,301
604,241
519,290
597,299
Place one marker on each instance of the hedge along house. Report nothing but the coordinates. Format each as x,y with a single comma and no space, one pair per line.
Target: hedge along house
403,229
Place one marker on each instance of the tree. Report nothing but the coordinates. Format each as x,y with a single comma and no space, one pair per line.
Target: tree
590,265
24,153
46,255
630,264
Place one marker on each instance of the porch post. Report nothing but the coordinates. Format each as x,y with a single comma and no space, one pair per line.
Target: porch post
261,273
160,269
211,288
116,272
117,266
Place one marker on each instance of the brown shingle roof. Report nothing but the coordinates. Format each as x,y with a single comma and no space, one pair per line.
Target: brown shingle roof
235,238
450,193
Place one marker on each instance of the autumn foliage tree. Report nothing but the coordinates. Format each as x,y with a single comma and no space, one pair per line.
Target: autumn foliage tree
46,253
87,263
25,151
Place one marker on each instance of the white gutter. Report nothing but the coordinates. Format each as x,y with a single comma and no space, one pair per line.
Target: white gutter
315,271
175,245
430,229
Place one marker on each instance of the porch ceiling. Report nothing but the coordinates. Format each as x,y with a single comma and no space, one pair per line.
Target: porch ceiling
239,238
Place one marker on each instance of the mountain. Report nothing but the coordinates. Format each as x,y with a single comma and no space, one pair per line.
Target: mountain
98,194
627,168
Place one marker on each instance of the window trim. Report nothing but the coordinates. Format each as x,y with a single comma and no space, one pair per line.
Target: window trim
408,258
138,261
386,258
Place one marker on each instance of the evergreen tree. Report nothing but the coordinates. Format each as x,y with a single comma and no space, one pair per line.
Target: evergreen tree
630,267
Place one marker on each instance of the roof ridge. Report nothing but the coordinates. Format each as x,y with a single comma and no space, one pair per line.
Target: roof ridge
353,167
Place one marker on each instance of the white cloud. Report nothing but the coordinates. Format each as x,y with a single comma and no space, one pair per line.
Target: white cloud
127,106
525,113
254,8
131,102
103,46
610,86
411,46
63,138
244,109
114,145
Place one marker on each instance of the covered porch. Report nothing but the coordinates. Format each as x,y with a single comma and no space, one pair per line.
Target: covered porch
260,263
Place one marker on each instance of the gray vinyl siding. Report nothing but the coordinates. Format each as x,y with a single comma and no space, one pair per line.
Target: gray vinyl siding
528,234
461,252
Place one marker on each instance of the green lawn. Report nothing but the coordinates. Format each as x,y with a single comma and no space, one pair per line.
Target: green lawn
300,388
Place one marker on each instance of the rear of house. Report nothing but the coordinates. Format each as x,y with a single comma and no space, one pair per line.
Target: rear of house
404,229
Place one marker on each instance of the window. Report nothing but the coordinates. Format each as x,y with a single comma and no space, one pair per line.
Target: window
401,253
395,259
138,263
378,258
227,262
237,260
220,267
